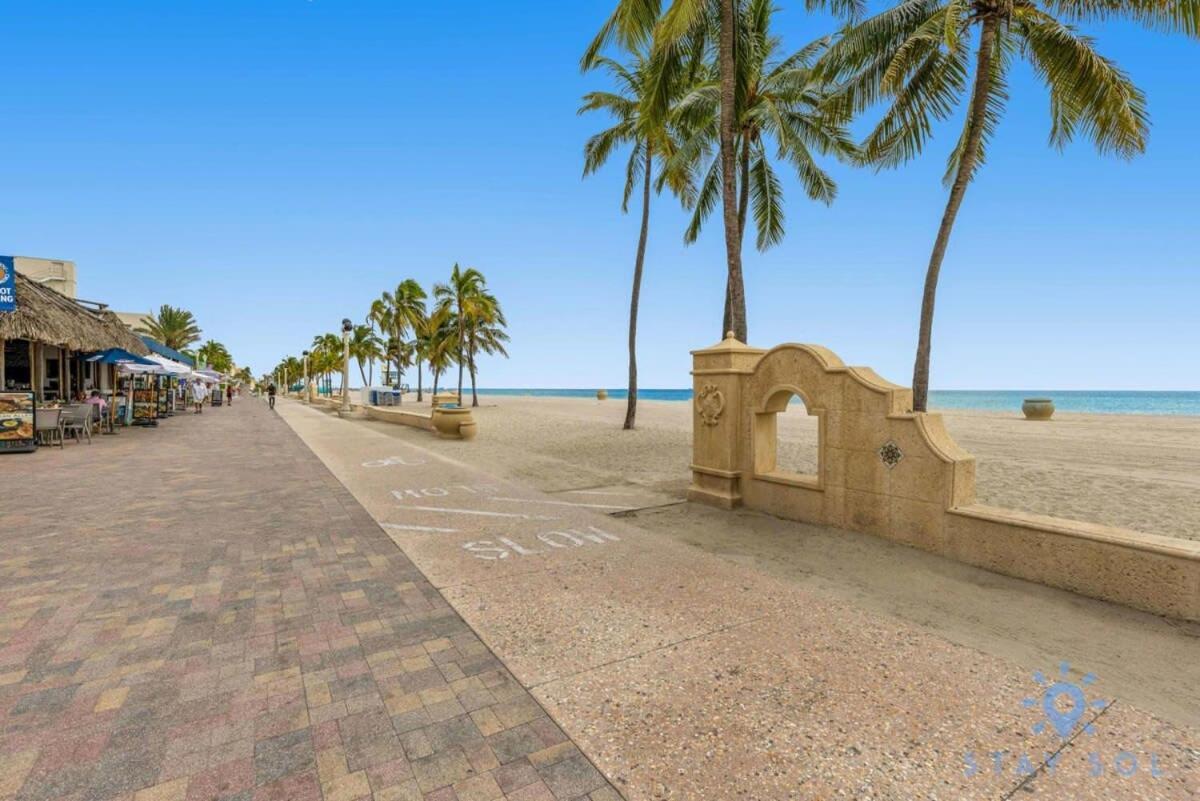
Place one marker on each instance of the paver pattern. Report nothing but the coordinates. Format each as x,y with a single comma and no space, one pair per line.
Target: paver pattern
202,612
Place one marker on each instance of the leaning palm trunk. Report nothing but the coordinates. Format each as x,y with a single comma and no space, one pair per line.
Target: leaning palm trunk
733,251
636,293
966,167
419,381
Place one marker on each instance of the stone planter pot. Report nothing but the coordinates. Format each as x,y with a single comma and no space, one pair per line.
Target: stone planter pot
446,399
454,422
602,394
1038,408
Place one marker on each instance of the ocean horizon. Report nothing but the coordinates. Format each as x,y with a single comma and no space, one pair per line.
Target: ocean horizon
1174,403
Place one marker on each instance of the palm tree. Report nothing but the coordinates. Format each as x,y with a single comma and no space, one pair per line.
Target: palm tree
679,37
364,346
781,101
460,300
916,58
215,355
175,328
436,342
399,312
649,136
381,315
326,358
486,335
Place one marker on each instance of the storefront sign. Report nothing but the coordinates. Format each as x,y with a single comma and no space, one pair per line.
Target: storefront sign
18,422
8,284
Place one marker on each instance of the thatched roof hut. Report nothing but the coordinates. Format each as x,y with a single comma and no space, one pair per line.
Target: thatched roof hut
46,316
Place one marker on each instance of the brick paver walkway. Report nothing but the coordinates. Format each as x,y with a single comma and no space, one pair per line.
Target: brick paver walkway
202,612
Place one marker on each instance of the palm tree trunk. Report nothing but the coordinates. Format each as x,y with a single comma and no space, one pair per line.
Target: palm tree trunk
966,166
461,359
418,380
636,294
743,205
733,252
471,369
362,373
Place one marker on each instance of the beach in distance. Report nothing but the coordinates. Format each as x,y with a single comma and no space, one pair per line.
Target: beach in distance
1134,471
991,400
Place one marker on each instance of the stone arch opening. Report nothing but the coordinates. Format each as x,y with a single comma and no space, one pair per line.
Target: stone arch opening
788,438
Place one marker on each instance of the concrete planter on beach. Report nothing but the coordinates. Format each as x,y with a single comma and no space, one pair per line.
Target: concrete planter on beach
1038,408
446,399
602,394
454,422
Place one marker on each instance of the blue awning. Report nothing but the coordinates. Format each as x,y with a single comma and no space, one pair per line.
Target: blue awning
117,356
162,350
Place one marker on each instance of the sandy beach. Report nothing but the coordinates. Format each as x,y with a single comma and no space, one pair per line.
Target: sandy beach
1137,472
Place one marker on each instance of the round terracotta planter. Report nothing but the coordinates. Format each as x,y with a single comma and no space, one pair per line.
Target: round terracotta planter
1038,408
602,394
451,420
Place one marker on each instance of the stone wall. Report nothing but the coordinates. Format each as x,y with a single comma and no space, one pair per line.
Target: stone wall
887,471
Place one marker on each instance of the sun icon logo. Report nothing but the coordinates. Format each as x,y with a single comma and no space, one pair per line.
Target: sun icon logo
1063,702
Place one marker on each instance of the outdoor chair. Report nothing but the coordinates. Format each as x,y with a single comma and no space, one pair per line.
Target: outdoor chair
77,421
49,426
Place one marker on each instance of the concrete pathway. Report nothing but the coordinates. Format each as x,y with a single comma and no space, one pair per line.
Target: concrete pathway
202,612
687,677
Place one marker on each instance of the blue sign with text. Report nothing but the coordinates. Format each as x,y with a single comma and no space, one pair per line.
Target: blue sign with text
8,284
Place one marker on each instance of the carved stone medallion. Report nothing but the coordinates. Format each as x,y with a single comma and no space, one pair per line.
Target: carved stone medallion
710,403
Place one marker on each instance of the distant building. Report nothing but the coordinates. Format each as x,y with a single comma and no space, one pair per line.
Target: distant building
58,274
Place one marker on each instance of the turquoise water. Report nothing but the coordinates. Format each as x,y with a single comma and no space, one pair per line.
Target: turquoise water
1092,402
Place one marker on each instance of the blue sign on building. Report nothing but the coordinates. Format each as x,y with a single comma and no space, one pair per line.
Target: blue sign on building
8,284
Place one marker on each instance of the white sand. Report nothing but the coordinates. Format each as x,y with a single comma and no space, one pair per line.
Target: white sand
1138,472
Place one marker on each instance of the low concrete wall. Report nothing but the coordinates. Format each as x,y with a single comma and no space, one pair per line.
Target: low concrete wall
391,414
887,471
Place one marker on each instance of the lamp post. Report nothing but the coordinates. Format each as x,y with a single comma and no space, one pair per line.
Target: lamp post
307,396
347,327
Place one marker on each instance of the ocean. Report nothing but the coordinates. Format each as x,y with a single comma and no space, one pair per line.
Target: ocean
1006,400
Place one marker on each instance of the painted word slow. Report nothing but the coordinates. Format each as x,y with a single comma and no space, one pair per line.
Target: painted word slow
504,547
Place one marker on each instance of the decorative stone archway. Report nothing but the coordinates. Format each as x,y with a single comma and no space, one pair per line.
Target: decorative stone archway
883,469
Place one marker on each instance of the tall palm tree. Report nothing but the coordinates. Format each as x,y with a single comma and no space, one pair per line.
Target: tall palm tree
486,335
176,328
678,38
215,355
779,101
916,58
437,342
364,346
400,312
381,315
650,137
460,299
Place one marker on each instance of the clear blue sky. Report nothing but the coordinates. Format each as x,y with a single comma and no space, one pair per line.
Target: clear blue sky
272,165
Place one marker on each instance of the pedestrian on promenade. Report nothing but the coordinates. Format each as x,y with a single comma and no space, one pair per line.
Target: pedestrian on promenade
198,393
271,394
229,394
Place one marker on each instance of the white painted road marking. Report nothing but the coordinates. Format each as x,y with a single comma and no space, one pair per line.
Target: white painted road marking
561,503
393,460
476,512
490,551
399,527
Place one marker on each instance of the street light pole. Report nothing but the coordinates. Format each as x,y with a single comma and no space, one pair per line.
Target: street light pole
347,327
306,397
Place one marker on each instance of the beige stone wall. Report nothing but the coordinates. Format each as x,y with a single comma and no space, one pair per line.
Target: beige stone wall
886,471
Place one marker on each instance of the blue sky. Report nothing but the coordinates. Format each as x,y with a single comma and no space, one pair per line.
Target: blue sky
273,165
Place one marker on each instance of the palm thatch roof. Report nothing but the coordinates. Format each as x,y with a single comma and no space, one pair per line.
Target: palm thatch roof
47,316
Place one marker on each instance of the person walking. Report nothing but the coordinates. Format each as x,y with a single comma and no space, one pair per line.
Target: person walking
229,394
271,394
199,392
